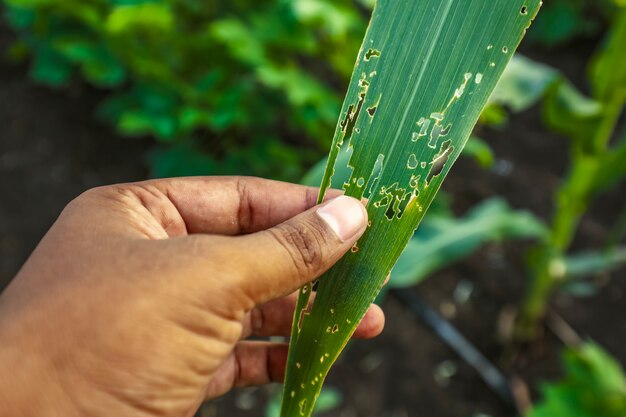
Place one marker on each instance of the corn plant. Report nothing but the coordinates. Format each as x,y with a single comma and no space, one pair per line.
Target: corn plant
423,75
594,386
596,165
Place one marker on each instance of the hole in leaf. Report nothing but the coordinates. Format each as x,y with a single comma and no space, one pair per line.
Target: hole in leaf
372,53
352,115
394,199
423,124
437,132
302,405
412,163
440,161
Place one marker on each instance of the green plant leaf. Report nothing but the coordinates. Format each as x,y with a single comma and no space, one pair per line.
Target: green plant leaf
612,169
523,83
50,68
443,240
423,75
568,111
180,160
154,17
334,19
96,63
19,18
584,264
329,399
560,22
594,386
479,150
475,148
608,71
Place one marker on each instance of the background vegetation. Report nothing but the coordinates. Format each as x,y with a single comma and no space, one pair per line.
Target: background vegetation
254,87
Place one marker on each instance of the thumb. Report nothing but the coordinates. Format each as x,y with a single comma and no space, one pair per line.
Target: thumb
284,258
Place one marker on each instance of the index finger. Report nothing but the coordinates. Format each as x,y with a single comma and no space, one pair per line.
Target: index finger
235,205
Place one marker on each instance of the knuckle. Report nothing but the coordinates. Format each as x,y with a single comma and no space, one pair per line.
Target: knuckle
304,244
245,211
89,198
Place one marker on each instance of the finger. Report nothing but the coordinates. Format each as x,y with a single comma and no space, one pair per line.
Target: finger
282,259
275,319
250,364
223,205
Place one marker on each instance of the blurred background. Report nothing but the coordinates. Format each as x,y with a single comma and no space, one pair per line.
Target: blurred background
510,297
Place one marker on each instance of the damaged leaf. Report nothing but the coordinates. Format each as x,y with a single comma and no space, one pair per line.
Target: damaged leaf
423,75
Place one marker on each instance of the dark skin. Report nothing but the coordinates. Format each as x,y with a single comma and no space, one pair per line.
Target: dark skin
139,299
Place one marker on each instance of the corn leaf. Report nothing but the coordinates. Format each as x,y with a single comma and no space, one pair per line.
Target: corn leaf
594,385
423,75
443,240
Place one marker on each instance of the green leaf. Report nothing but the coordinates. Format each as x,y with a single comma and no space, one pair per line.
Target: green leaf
442,241
182,159
154,17
589,263
479,150
561,21
135,123
50,68
19,18
138,123
239,40
96,63
333,18
594,386
523,83
608,71
611,169
424,73
329,399
569,112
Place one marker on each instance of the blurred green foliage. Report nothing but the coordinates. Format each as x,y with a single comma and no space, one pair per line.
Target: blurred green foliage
596,164
594,386
562,21
243,86
246,87
443,239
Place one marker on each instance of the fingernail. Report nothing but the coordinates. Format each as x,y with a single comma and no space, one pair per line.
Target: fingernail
346,216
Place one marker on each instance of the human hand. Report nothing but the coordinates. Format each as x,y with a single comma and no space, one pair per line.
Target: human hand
137,300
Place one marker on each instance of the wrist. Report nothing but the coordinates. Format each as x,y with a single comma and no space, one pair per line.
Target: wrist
29,384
